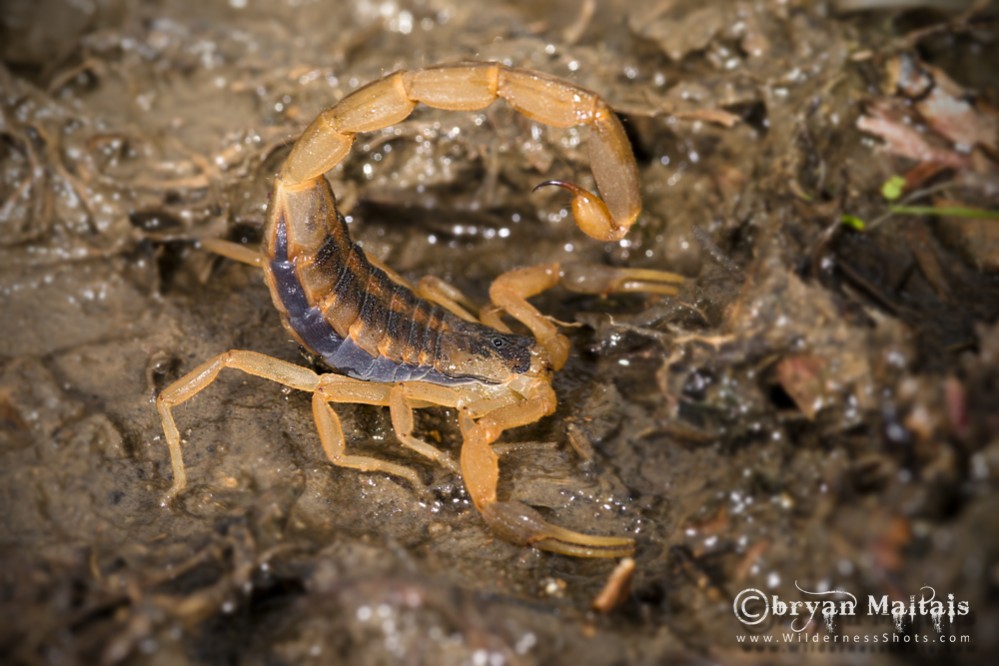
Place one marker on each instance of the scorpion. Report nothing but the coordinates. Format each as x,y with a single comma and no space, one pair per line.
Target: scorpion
406,348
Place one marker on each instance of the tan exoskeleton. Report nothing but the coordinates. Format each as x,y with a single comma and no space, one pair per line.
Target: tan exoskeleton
392,347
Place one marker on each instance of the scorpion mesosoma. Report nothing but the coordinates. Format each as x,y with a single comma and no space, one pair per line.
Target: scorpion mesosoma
405,348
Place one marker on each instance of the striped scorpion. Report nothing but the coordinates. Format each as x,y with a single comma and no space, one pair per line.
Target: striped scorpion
406,348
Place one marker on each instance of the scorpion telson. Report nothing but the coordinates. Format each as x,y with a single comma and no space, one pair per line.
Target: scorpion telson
407,349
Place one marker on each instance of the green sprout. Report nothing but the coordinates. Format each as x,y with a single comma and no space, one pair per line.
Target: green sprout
892,190
853,221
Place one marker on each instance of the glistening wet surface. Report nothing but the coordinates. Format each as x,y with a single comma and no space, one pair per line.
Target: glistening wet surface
813,412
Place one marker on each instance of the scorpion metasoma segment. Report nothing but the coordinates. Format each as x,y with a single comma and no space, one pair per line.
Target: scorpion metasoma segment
407,349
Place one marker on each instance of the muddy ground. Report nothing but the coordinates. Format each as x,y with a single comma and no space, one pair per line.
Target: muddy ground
815,411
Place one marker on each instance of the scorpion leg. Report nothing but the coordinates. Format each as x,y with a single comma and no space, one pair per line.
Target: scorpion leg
515,521
472,87
602,280
388,270
401,410
234,251
194,382
447,296
335,445
401,399
324,388
509,293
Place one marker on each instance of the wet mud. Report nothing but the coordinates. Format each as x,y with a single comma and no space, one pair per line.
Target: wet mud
814,412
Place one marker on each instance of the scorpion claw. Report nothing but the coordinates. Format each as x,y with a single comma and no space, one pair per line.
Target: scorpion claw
602,280
520,524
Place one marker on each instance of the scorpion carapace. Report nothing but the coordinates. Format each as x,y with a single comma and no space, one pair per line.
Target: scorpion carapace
405,348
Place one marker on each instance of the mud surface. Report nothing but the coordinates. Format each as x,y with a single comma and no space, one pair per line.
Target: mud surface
815,411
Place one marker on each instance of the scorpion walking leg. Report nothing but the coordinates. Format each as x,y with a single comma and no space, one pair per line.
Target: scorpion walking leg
233,251
388,270
597,279
401,399
401,403
335,445
447,296
194,382
512,520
